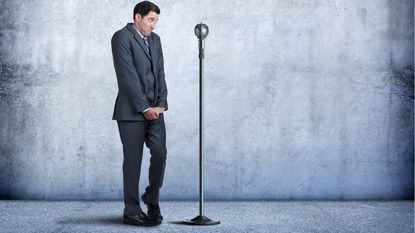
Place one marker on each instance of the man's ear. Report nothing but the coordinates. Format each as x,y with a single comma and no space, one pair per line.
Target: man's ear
137,17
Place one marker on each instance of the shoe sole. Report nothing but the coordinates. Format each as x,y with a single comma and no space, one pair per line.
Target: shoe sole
142,224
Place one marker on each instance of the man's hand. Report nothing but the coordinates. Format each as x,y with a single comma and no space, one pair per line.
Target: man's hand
160,109
151,114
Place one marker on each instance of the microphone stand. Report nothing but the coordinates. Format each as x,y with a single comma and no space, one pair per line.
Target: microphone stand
201,31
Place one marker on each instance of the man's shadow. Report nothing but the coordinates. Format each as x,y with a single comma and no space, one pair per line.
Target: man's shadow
99,220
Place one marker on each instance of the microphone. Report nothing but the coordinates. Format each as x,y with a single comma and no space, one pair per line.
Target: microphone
201,32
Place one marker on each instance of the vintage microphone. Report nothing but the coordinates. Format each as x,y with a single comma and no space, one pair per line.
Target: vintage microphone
201,31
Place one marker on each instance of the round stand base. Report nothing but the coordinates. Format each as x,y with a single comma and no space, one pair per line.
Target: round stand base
201,220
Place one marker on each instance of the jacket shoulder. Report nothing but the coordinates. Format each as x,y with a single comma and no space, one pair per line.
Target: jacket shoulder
155,36
122,34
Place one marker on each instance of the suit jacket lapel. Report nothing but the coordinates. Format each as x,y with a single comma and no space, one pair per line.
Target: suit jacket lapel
139,39
154,56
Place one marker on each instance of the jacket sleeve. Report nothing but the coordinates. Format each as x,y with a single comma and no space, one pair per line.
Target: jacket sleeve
127,77
162,87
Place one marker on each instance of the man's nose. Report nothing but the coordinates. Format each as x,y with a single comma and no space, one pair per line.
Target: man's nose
153,26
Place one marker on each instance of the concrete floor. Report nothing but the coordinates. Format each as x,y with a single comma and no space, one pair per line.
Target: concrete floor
235,216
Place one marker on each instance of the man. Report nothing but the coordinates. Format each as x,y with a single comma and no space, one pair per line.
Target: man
139,108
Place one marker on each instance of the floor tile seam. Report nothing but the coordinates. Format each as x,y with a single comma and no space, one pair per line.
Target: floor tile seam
77,217
347,226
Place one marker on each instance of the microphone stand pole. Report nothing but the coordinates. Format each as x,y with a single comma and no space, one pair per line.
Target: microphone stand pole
201,31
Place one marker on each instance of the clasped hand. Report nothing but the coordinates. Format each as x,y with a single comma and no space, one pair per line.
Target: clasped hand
153,113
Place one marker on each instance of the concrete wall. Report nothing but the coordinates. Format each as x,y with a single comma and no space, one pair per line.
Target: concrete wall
304,99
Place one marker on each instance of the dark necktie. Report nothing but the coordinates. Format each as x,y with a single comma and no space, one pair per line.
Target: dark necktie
147,45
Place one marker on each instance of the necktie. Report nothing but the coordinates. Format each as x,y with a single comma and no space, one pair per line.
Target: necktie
147,45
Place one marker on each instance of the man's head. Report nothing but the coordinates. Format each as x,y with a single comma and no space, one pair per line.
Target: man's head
145,16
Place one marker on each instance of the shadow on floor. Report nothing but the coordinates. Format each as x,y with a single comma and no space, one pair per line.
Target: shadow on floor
106,220
103,220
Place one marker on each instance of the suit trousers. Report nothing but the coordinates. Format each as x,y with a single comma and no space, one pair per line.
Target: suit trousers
133,135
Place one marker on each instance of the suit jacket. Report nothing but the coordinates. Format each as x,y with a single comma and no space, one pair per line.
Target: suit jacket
140,74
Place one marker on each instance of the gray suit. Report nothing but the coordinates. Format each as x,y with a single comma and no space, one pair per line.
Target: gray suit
141,84
140,75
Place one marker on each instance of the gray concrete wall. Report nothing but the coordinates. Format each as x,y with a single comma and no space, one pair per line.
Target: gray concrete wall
304,99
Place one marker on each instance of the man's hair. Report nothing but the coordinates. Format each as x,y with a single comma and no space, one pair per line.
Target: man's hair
144,7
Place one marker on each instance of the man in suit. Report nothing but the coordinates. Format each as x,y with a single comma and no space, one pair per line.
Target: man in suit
139,108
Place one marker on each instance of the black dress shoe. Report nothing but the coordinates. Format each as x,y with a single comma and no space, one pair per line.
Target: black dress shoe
153,211
140,219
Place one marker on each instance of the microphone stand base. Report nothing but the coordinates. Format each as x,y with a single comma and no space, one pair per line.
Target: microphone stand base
201,220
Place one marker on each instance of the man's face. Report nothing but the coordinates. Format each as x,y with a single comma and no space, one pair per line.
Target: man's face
145,25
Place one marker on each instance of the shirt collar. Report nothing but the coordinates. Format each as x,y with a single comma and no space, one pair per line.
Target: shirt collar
138,31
